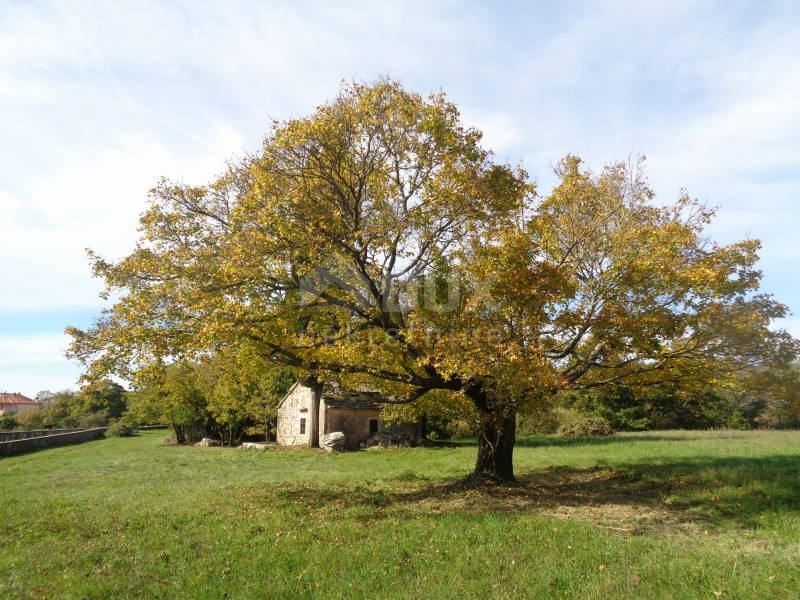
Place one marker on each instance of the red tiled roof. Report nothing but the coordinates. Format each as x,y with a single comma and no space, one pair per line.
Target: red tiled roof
6,398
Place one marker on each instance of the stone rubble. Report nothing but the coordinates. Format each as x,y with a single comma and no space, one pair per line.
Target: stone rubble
387,440
255,445
206,442
332,442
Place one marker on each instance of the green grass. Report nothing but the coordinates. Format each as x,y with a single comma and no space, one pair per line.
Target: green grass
661,515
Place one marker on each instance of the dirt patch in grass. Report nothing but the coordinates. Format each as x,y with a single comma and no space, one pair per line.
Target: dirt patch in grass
613,499
691,495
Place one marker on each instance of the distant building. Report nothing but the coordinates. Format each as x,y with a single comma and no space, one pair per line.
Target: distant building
356,414
14,404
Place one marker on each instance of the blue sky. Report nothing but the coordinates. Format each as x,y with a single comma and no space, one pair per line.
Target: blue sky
97,100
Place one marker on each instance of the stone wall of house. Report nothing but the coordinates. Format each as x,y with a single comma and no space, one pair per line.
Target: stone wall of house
18,409
49,441
354,423
296,406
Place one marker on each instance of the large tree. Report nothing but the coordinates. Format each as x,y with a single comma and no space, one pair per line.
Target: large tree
377,241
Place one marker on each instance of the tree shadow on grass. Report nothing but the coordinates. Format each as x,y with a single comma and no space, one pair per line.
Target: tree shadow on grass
735,492
566,442
571,442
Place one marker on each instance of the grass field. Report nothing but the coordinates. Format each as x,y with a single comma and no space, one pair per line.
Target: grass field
660,515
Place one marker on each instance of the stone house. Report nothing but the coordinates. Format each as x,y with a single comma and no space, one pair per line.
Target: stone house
306,414
15,404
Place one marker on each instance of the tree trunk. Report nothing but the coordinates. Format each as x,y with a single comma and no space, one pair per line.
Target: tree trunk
496,436
316,397
497,432
180,436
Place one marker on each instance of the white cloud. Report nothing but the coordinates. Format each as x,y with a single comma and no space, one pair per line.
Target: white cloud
31,363
54,377
20,351
501,132
91,200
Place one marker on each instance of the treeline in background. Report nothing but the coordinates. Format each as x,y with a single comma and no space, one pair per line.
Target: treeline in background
232,399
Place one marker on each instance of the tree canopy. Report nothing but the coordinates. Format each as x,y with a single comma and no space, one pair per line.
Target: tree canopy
377,240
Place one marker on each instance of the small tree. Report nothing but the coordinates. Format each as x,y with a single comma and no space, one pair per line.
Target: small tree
44,396
242,389
100,396
63,410
172,394
771,397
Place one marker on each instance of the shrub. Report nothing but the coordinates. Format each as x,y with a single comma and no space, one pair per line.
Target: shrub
586,426
8,422
539,420
97,419
737,420
33,419
460,428
119,428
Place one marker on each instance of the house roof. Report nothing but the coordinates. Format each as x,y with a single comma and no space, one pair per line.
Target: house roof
335,397
358,396
288,393
7,398
352,399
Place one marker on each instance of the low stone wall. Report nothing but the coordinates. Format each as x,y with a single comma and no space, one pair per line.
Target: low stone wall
10,436
49,439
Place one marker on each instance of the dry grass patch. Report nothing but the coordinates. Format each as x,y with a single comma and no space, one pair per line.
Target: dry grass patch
614,499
